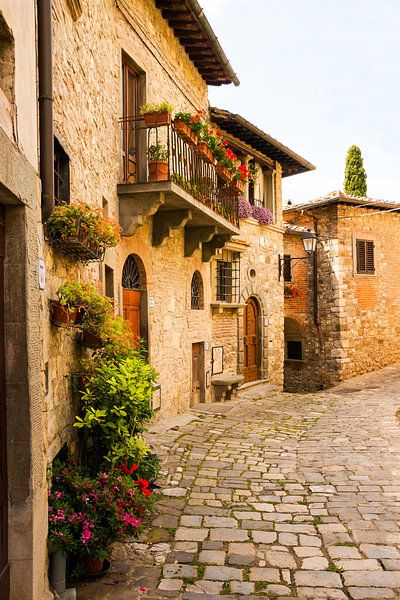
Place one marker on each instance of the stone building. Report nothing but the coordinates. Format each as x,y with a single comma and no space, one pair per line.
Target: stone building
346,322
23,490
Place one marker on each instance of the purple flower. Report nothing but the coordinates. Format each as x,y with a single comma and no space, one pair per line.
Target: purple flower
244,208
263,215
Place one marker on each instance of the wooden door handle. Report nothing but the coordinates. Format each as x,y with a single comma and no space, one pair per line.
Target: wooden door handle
254,339
245,341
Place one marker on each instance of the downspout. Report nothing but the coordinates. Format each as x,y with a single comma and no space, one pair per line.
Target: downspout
46,107
317,322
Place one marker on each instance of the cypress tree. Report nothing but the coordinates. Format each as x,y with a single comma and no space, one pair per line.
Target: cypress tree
355,177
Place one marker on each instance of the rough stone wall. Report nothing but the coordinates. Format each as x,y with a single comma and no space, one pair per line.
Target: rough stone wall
87,104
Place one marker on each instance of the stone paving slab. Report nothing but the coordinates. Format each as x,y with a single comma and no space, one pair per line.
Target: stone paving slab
286,496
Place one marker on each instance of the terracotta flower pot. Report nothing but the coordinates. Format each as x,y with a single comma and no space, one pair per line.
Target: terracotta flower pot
224,173
185,132
156,119
158,171
61,316
205,152
90,340
92,566
237,186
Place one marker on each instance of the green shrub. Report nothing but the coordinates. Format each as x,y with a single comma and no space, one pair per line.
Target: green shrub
151,107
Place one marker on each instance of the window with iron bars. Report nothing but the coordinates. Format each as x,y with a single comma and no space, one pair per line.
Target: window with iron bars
228,277
61,174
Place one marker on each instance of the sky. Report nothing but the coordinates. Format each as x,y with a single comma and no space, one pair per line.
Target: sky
319,76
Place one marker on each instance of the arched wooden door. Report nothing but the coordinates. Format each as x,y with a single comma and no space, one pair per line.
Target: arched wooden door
251,370
132,296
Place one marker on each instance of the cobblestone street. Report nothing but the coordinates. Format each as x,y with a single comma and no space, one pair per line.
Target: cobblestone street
287,495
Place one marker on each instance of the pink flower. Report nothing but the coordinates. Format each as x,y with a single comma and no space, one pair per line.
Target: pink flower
86,533
131,521
58,495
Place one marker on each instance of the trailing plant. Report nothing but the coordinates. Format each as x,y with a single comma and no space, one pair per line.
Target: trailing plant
263,215
87,514
97,308
254,171
245,209
157,153
79,219
151,107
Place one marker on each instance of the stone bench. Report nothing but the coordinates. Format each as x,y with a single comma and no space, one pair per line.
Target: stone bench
225,386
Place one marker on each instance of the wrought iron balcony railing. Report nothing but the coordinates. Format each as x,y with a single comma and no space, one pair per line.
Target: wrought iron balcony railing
177,161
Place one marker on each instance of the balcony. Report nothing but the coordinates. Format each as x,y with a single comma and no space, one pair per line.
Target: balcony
179,189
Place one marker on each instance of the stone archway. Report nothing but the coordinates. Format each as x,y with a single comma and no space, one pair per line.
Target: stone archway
134,297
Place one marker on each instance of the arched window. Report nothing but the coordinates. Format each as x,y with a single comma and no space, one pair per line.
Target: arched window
197,295
131,276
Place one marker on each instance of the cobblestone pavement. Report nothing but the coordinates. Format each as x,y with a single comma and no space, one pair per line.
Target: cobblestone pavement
285,496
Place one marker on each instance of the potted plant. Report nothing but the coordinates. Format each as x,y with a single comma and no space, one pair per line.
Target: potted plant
63,315
156,115
81,232
188,127
292,291
263,215
88,513
158,162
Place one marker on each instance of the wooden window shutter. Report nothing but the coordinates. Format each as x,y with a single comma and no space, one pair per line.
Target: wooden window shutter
361,262
370,259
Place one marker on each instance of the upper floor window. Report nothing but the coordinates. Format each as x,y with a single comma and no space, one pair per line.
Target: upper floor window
228,277
365,257
197,292
130,109
287,267
269,191
61,174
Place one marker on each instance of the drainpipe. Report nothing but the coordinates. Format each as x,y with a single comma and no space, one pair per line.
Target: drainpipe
46,107
315,278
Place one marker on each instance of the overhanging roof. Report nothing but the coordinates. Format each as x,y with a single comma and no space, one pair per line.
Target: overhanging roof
237,126
190,25
338,197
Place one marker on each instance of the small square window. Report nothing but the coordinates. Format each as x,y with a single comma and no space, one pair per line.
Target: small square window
294,350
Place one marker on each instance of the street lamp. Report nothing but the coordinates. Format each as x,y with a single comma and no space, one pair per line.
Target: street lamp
309,240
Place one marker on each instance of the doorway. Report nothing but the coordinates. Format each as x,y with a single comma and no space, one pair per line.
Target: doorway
251,341
197,393
134,301
4,564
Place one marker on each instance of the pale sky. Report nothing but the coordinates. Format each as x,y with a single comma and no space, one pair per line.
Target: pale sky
319,76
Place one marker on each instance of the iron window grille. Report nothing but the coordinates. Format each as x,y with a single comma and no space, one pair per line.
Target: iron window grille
131,274
365,257
228,277
197,302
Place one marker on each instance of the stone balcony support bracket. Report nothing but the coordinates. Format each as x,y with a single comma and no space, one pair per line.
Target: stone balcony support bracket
195,236
132,213
209,248
165,221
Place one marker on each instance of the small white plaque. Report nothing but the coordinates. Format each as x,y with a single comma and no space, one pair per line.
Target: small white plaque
41,274
152,302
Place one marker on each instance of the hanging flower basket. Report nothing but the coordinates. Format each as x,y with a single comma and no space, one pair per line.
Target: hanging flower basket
224,173
87,339
237,186
61,316
205,152
185,132
157,118
293,291
81,232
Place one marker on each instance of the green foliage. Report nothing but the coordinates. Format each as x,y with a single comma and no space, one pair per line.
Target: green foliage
355,177
151,107
79,220
115,405
96,308
157,153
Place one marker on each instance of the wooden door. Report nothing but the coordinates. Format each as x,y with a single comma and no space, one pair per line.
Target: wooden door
251,370
129,129
4,565
196,374
131,309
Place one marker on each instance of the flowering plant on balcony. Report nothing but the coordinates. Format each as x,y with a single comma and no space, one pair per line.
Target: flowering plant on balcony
242,173
193,121
263,215
87,514
293,291
245,209
81,231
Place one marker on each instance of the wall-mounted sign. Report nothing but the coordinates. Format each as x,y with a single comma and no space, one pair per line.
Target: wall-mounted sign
157,398
217,360
152,302
41,274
